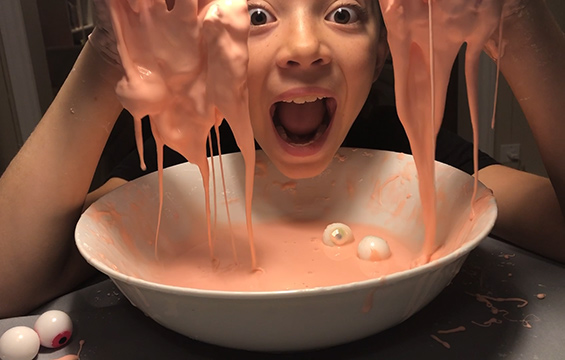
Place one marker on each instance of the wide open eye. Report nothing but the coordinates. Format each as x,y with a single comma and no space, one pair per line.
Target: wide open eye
259,16
54,328
345,15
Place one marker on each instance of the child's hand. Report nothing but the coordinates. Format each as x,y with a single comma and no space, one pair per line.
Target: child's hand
102,38
511,11
182,65
513,7
457,21
185,65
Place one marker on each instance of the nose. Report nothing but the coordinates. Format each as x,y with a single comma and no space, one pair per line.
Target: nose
303,46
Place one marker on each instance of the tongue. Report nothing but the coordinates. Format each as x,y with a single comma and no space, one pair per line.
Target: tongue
301,119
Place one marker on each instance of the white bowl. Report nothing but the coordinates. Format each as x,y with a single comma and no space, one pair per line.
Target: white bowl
116,235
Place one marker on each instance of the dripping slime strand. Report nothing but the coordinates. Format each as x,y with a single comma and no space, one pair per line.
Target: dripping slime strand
498,59
216,128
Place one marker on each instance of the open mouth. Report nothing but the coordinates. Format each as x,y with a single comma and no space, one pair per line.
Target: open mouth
302,121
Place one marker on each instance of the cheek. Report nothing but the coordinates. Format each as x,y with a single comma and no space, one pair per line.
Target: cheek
362,67
260,62
364,60
359,72
258,104
257,108
258,123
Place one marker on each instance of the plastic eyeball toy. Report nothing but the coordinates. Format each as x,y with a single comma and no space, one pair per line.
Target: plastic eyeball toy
373,248
19,343
54,328
337,234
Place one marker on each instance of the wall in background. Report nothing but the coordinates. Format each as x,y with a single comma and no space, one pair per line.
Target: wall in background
9,139
24,81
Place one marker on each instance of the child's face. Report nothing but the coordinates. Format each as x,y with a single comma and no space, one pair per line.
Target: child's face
324,55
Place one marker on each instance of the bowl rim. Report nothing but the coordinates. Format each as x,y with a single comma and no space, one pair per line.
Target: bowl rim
381,281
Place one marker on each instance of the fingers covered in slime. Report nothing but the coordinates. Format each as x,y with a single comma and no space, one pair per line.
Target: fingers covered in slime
186,68
424,39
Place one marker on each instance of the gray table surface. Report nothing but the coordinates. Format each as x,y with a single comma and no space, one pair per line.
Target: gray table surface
113,329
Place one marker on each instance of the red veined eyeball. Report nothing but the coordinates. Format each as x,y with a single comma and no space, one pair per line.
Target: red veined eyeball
54,328
19,343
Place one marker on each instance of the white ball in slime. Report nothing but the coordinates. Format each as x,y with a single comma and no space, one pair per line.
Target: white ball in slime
54,328
337,234
19,343
373,248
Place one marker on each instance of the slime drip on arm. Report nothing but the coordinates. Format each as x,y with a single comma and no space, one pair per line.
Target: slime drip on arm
424,39
186,68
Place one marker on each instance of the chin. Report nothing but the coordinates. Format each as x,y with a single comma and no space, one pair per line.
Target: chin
301,167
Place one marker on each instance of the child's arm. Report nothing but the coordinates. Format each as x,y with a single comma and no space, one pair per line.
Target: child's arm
531,208
43,190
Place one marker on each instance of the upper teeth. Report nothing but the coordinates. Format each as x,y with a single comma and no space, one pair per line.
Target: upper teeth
304,99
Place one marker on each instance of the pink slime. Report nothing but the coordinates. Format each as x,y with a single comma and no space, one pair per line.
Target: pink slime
425,38
187,69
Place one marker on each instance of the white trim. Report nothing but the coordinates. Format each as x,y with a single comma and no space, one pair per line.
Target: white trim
20,75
